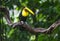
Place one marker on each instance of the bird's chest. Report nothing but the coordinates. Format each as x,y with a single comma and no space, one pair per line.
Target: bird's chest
24,13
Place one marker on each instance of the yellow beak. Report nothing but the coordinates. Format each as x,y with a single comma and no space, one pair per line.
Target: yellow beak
29,10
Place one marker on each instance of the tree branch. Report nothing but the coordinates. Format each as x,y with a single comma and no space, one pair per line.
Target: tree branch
53,26
28,27
6,14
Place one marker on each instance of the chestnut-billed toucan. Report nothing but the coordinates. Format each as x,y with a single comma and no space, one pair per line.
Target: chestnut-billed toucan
24,13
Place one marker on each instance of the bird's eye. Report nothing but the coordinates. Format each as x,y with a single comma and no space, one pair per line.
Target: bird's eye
26,10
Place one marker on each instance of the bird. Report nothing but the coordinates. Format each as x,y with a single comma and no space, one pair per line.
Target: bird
24,14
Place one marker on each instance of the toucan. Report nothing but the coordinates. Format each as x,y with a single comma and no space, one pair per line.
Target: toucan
24,14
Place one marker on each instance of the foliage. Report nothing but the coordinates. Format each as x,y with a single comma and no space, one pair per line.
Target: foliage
46,13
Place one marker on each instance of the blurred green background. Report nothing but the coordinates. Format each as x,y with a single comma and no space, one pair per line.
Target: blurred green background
46,13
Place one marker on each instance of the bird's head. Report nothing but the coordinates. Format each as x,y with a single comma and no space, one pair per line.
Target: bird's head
25,12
